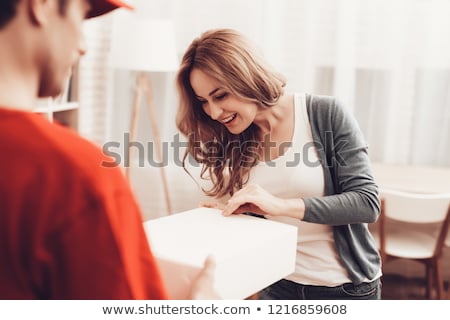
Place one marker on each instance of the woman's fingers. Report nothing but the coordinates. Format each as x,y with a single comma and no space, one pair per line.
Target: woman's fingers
213,205
249,207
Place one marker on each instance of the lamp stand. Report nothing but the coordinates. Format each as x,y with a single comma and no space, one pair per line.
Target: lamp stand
144,86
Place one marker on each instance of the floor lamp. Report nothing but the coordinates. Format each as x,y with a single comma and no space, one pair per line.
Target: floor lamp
143,46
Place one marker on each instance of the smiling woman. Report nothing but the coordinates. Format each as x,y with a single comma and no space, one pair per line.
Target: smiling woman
223,84
244,128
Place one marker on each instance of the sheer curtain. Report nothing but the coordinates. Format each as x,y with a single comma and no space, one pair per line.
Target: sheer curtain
387,60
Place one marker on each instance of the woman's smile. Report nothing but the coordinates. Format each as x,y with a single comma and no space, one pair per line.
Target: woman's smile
228,120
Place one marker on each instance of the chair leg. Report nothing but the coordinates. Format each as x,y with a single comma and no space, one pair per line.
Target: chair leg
448,291
439,285
429,276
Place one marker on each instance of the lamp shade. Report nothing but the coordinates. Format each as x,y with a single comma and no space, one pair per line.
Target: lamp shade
143,44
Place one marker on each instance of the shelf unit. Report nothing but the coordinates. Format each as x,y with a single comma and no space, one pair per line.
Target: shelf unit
64,108
65,113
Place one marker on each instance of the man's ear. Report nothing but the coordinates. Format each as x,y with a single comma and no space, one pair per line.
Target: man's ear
40,10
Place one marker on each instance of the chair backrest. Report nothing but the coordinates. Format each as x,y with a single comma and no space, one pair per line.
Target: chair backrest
415,207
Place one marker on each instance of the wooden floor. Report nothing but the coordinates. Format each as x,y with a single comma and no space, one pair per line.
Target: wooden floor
397,287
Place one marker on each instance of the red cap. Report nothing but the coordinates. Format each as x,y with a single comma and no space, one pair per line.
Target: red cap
99,7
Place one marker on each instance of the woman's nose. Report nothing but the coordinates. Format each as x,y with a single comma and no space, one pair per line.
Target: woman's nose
215,111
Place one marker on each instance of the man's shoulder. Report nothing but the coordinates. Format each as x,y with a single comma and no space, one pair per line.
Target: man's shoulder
36,143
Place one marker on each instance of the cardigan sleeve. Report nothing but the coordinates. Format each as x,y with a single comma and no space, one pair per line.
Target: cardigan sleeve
351,194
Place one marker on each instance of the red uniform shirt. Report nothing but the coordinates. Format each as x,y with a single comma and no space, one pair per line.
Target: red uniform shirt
70,228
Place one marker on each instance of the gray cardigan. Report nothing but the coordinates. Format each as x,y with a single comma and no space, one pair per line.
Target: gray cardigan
351,195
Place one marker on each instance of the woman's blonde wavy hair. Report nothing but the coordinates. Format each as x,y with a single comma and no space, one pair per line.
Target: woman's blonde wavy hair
229,58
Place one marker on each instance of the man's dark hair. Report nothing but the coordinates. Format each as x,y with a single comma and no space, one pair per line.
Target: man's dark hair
8,10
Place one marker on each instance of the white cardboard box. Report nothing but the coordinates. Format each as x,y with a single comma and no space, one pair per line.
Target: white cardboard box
250,253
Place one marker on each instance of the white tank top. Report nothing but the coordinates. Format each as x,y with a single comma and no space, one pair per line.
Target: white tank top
298,174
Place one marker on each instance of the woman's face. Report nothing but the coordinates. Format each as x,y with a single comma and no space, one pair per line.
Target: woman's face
220,105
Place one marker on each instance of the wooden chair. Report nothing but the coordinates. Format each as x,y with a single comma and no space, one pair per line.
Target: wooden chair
415,226
447,244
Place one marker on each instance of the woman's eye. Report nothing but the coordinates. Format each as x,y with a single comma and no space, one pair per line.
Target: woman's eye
221,96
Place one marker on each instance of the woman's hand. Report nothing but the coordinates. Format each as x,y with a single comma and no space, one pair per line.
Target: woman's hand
253,198
213,205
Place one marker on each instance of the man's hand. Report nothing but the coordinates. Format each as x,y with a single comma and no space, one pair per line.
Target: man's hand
203,286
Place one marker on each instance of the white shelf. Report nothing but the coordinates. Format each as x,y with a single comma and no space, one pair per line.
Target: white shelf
56,107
